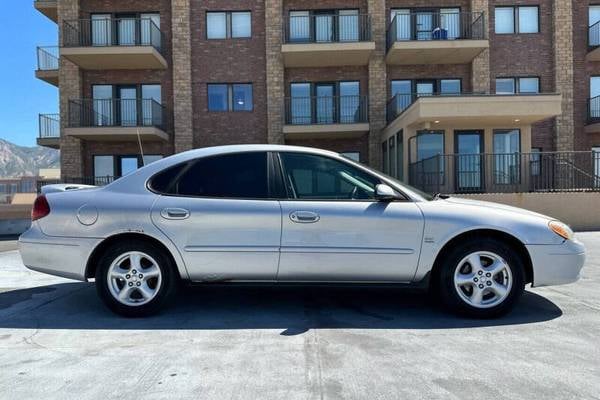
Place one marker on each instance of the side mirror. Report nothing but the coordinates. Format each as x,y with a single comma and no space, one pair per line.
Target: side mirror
386,193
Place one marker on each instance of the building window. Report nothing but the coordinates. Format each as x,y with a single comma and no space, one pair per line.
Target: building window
227,25
430,154
521,19
108,166
535,161
325,103
507,145
230,97
596,157
392,156
351,155
517,85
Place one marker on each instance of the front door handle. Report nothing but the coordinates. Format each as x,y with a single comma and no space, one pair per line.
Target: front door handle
304,217
175,213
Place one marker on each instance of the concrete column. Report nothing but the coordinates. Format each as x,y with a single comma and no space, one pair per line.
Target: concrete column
480,76
377,81
69,86
182,76
275,70
564,80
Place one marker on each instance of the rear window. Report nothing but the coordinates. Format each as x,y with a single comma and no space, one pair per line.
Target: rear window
240,175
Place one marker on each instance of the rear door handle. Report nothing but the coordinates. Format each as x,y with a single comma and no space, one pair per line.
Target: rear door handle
304,217
175,213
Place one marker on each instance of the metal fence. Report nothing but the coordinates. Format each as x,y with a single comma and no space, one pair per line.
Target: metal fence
102,32
326,110
49,125
47,58
594,109
85,180
115,112
507,173
444,25
327,28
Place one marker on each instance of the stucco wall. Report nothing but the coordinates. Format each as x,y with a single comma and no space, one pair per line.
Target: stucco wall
580,210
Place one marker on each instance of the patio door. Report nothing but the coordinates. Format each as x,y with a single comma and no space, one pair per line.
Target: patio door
403,23
102,105
128,105
424,24
325,103
299,29
348,26
149,30
350,111
151,105
469,164
324,26
450,22
101,29
126,29
300,110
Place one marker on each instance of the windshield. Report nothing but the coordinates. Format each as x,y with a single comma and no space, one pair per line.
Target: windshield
406,188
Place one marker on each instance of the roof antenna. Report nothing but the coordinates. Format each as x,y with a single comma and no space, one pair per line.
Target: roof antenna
141,149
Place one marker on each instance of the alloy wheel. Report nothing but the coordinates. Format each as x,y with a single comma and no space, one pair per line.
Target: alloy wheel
134,278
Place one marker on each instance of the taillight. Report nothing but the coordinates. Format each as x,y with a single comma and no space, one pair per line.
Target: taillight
41,208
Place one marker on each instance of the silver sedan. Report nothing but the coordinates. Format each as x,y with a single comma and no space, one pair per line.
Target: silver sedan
280,214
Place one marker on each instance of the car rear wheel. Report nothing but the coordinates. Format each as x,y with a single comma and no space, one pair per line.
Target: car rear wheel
135,279
483,279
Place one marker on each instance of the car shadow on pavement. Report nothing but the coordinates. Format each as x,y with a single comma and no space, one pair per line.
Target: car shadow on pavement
294,309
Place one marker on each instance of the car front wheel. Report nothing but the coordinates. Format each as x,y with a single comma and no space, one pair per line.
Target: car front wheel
482,279
135,279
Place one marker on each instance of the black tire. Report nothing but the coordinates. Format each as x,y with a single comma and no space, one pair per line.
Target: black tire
166,289
448,293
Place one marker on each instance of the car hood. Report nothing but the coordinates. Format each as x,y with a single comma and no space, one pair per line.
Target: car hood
496,206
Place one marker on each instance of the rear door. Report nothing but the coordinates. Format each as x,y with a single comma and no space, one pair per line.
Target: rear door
334,230
219,213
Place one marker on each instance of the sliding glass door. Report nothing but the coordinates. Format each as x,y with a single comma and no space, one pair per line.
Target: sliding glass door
102,105
469,166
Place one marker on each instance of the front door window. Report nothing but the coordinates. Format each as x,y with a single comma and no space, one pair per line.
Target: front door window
469,146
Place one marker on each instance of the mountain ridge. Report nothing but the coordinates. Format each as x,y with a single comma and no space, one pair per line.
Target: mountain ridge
16,161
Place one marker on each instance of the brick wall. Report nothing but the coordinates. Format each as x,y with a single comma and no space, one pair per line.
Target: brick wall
360,144
228,61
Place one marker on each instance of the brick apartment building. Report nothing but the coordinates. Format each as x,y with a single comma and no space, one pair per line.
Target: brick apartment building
388,82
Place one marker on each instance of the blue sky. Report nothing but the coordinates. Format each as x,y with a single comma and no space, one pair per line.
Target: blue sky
22,96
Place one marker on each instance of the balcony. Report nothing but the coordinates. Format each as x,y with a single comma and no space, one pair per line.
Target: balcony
436,38
327,40
507,173
116,119
593,42
47,7
49,131
326,117
123,43
470,110
47,65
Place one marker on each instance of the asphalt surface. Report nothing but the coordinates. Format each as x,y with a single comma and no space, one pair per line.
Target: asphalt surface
58,341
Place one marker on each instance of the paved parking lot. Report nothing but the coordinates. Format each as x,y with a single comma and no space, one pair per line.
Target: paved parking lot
58,341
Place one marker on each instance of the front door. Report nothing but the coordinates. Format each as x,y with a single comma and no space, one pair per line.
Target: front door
334,230
469,166
221,216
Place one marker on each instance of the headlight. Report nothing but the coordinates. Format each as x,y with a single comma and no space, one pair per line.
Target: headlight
561,229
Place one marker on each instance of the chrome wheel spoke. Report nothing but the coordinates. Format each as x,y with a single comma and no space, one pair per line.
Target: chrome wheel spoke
151,272
477,296
498,289
475,262
497,267
125,293
136,261
118,273
464,279
146,291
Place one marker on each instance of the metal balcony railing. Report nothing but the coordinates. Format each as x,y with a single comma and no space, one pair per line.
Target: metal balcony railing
47,58
327,28
49,126
594,35
450,25
593,109
326,110
81,180
116,113
112,32
507,173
